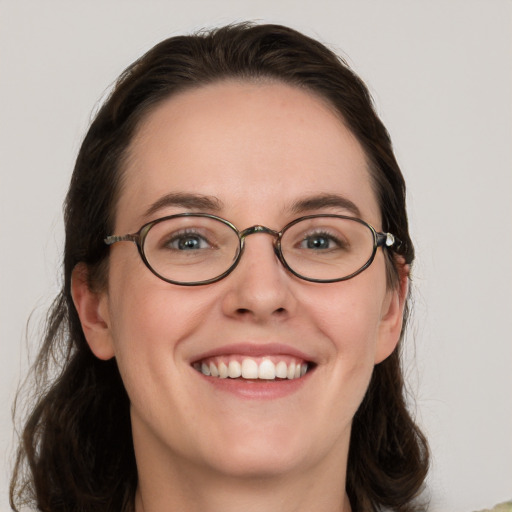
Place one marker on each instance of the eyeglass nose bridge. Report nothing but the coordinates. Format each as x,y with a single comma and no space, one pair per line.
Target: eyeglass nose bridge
262,229
258,229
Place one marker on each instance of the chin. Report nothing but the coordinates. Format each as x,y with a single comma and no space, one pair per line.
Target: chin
266,462
261,451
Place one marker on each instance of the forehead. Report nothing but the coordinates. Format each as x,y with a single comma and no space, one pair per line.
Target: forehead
257,148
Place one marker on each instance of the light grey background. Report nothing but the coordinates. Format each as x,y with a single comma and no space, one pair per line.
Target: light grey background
441,75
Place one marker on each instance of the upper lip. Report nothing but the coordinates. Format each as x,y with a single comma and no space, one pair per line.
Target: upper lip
254,350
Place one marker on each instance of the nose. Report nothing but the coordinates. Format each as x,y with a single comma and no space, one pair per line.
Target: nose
259,287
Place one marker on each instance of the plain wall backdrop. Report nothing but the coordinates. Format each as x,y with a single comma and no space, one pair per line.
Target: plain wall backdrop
441,75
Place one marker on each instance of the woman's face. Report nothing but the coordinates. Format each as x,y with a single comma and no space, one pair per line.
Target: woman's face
260,154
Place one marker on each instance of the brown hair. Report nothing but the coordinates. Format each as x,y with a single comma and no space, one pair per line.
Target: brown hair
76,452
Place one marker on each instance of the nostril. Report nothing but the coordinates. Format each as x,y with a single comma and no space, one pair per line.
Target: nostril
248,311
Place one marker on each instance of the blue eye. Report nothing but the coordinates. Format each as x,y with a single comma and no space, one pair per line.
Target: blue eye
187,242
320,241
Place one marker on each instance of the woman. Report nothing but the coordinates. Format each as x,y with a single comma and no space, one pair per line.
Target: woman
236,271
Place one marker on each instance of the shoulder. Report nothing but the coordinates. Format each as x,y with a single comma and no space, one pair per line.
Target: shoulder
502,507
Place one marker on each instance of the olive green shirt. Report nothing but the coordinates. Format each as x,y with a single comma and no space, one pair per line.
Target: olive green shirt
502,507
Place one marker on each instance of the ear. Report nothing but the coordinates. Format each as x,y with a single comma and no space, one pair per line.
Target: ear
92,308
392,315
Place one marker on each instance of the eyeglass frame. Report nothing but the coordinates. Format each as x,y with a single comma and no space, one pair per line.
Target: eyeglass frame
380,239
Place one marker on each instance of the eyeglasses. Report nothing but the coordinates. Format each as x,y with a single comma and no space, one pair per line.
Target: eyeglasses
192,249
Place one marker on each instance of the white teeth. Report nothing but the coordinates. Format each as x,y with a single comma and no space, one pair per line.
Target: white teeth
223,370
213,370
234,370
250,369
267,370
281,370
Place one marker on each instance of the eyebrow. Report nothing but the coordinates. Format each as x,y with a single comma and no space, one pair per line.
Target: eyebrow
322,201
212,204
185,200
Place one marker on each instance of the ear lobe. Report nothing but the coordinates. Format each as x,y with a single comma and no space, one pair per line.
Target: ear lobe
392,316
92,309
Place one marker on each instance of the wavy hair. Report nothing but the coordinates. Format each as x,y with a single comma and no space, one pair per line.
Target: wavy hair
76,451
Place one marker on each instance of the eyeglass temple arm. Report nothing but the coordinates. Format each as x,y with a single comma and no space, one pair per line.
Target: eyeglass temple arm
388,240
112,239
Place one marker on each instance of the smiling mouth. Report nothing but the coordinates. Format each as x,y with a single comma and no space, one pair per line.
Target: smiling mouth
253,368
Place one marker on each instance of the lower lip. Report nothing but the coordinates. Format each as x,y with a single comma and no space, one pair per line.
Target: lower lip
257,389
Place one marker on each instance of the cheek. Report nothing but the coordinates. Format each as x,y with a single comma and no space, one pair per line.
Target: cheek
144,309
350,315
150,323
149,319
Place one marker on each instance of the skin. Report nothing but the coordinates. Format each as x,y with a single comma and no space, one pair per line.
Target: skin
257,148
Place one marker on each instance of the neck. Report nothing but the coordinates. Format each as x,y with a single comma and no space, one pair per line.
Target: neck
168,482
228,494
